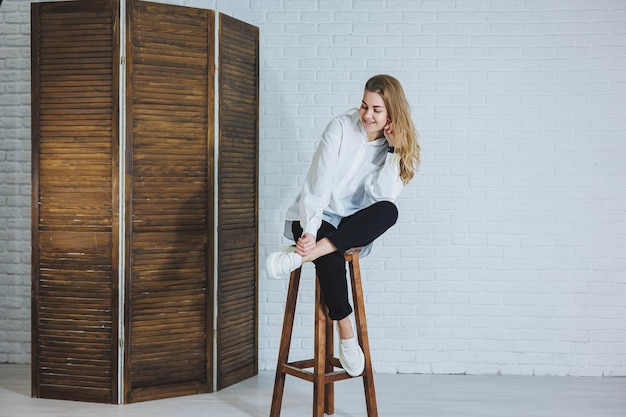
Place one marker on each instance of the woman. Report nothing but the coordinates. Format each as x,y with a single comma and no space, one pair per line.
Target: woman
362,163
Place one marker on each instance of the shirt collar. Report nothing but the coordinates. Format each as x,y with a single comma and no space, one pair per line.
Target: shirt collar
356,118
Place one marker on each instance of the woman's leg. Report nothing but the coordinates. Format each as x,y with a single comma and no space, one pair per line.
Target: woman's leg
359,229
330,266
364,226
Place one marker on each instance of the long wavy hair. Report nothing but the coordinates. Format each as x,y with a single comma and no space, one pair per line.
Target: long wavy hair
405,137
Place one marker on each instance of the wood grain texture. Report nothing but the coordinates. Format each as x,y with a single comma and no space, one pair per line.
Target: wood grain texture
74,203
237,307
169,280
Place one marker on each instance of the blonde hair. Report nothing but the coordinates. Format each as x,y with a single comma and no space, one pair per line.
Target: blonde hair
405,136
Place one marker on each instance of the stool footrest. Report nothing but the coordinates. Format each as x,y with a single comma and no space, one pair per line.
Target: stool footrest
297,369
310,363
310,376
298,372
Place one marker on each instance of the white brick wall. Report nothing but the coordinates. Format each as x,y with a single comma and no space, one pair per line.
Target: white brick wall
14,182
510,252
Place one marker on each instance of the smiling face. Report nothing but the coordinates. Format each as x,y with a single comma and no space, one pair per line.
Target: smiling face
373,114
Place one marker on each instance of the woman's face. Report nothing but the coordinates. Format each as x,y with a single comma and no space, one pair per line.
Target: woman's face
373,114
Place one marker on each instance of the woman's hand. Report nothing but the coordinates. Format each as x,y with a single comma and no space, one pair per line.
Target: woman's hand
388,132
305,244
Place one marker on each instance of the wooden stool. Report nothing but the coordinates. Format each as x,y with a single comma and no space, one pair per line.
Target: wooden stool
323,363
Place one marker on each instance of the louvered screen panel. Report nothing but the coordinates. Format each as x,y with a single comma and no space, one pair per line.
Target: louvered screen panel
74,113
237,339
169,280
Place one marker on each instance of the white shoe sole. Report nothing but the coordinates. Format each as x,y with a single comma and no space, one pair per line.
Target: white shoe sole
272,270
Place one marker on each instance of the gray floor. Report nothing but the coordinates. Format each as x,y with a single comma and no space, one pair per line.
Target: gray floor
397,395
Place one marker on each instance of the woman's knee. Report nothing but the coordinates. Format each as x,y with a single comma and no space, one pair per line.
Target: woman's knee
388,210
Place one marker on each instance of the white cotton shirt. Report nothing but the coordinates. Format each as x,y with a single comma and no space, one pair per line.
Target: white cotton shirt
347,174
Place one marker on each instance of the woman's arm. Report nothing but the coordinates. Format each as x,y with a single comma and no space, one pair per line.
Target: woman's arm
317,187
385,184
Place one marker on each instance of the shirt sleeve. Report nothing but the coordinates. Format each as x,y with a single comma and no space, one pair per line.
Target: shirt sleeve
385,184
317,187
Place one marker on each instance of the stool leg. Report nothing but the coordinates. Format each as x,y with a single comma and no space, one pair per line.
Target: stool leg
361,328
319,357
329,391
285,342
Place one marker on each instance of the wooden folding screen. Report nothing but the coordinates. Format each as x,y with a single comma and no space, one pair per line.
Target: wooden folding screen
238,191
75,201
123,265
169,245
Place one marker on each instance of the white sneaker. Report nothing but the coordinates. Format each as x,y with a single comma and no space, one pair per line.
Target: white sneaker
351,356
282,263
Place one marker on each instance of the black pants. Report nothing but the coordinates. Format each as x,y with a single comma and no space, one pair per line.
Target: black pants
358,229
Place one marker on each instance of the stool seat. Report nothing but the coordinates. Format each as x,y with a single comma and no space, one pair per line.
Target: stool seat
324,369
